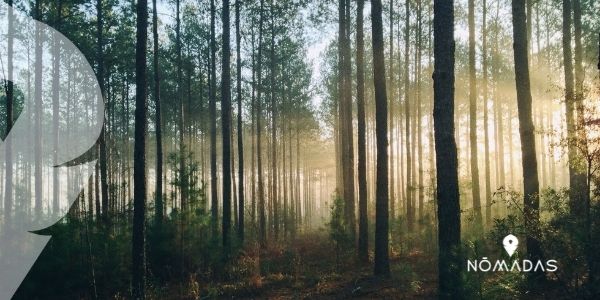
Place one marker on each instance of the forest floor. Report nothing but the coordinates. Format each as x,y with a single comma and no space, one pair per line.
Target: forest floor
310,267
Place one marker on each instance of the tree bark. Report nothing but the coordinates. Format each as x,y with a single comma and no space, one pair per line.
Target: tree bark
8,183
212,110
273,159
449,264
391,90
183,182
410,217
55,109
363,222
484,65
382,265
526,132
262,226
138,266
345,113
226,128
418,114
38,111
576,179
473,120
159,207
240,140
102,139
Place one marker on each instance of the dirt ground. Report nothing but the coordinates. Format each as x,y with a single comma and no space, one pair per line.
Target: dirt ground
311,267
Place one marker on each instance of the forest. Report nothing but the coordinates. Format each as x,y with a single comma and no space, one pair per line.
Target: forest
297,149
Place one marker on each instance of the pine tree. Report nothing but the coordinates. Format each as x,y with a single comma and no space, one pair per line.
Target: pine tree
159,206
363,222
240,129
226,128
449,263
138,262
526,132
473,120
382,264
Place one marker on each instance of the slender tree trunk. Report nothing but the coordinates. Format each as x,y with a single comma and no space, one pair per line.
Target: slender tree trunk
345,112
449,264
410,218
212,108
526,131
184,185
583,179
488,189
579,98
159,206
103,136
473,120
240,140
391,97
139,193
576,177
8,177
419,107
284,180
55,110
97,187
226,128
497,102
363,222
274,181
262,226
382,264
38,112
399,132
252,133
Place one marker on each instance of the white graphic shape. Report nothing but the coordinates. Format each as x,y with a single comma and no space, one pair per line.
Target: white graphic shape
61,117
510,244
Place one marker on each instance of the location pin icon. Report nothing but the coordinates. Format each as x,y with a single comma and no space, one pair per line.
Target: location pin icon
510,243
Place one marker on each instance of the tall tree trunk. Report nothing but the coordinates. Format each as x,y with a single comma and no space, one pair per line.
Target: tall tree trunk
526,132
576,179
273,66
391,98
499,115
410,217
226,128
473,121
253,133
419,107
284,181
484,65
579,96
345,112
138,261
38,112
181,119
240,140
382,264
363,222
583,179
449,264
212,108
159,206
8,177
55,110
399,132
262,226
103,136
